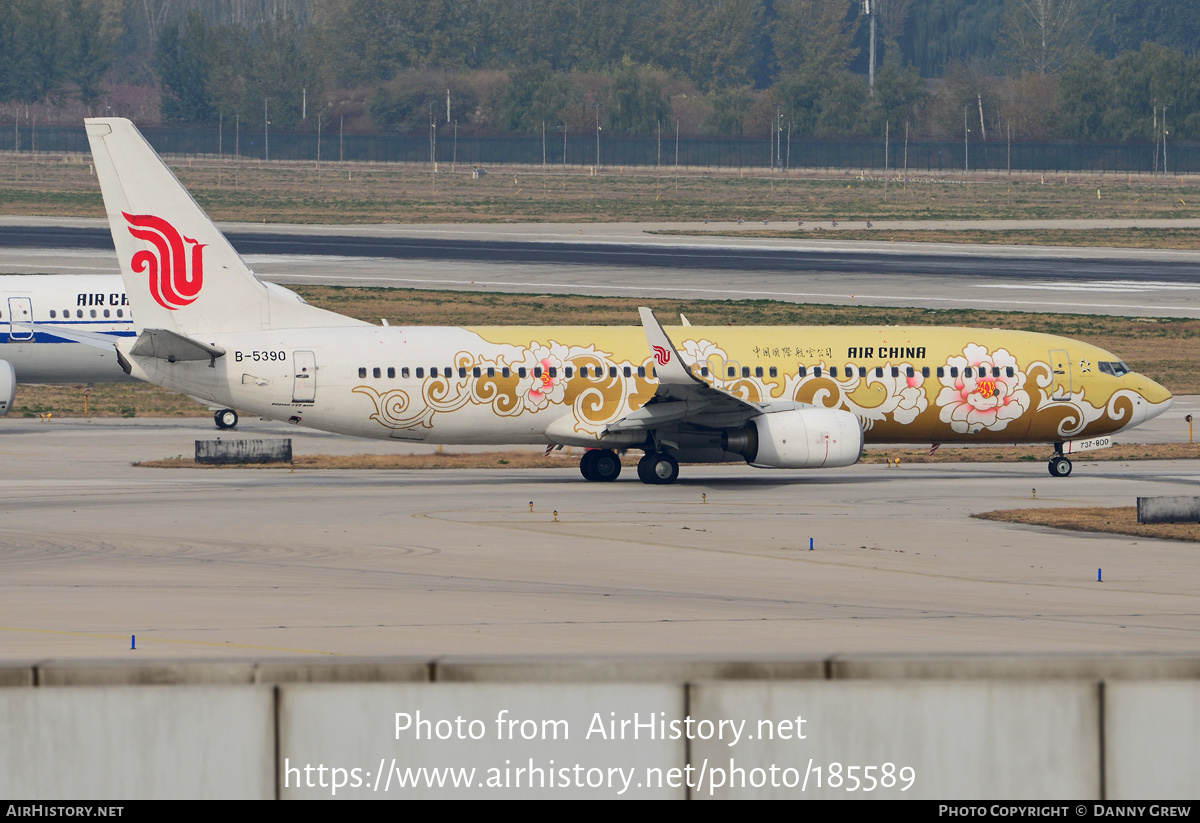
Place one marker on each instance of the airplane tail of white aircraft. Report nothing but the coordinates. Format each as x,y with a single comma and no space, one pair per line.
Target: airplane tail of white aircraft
180,272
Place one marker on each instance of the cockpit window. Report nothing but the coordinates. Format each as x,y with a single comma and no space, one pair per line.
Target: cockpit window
1115,368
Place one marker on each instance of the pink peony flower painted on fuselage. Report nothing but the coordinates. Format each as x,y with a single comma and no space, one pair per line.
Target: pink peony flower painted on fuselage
988,398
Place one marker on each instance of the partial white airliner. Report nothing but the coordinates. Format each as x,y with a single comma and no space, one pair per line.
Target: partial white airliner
44,317
775,397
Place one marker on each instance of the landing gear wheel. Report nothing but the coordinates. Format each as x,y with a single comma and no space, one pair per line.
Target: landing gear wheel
586,464
600,465
226,418
1060,466
643,468
663,469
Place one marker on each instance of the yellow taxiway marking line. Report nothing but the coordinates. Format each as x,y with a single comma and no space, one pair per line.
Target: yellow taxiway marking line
168,640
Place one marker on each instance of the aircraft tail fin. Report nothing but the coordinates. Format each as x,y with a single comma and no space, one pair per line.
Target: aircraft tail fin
180,272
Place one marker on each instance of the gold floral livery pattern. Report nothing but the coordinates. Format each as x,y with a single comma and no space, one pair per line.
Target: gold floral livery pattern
977,393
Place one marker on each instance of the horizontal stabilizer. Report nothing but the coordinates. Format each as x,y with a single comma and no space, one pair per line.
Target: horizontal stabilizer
170,346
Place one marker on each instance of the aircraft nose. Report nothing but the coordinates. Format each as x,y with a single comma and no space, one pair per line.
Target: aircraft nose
1152,401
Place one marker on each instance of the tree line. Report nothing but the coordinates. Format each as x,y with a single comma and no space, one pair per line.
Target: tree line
1032,69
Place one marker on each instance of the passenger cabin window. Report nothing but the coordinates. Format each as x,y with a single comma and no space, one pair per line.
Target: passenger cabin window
554,371
569,371
106,313
52,315
774,372
924,371
93,312
491,371
120,313
758,371
895,371
745,371
462,371
833,371
1009,371
954,371
476,372
641,371
704,371
627,371
537,371
506,372
802,371
862,371
941,372
816,371
79,312
362,371
375,372
420,371
404,372
910,372
732,371
521,371
879,371
967,371
612,371
391,371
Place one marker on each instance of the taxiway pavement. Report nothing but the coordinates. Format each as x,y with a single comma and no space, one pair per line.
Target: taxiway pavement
243,562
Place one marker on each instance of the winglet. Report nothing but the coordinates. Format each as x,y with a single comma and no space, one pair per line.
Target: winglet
669,365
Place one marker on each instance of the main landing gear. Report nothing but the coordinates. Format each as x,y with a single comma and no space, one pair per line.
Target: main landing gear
658,468
600,465
1059,466
225,418
603,465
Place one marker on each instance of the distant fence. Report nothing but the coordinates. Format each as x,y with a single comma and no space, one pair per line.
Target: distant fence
581,150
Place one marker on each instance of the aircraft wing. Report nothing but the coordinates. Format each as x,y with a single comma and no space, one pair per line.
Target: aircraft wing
682,397
90,338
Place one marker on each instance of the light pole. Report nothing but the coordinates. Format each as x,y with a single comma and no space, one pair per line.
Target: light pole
266,132
1165,133
869,10
597,107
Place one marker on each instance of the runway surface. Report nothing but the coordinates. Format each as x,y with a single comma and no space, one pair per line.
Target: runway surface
204,563
623,259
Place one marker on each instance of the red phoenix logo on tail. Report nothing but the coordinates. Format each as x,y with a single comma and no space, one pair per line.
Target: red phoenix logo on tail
173,283
662,356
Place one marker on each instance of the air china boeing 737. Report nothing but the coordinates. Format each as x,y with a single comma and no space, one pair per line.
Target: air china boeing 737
775,397
43,318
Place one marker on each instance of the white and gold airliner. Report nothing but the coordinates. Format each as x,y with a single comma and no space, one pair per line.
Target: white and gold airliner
775,397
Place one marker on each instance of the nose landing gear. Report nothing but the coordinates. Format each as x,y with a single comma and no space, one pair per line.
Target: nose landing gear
1059,465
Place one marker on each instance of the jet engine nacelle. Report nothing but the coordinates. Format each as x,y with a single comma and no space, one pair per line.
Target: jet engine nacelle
8,386
810,438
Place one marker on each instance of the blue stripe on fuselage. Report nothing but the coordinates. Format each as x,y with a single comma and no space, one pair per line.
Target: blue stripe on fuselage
46,337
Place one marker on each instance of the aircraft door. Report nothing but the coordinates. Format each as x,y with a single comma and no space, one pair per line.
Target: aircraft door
20,318
1060,368
304,387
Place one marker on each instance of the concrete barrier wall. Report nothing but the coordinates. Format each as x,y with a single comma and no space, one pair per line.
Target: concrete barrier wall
1120,727
127,742
1168,509
244,451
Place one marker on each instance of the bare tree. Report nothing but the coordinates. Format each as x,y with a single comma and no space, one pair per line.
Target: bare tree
157,12
1045,35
